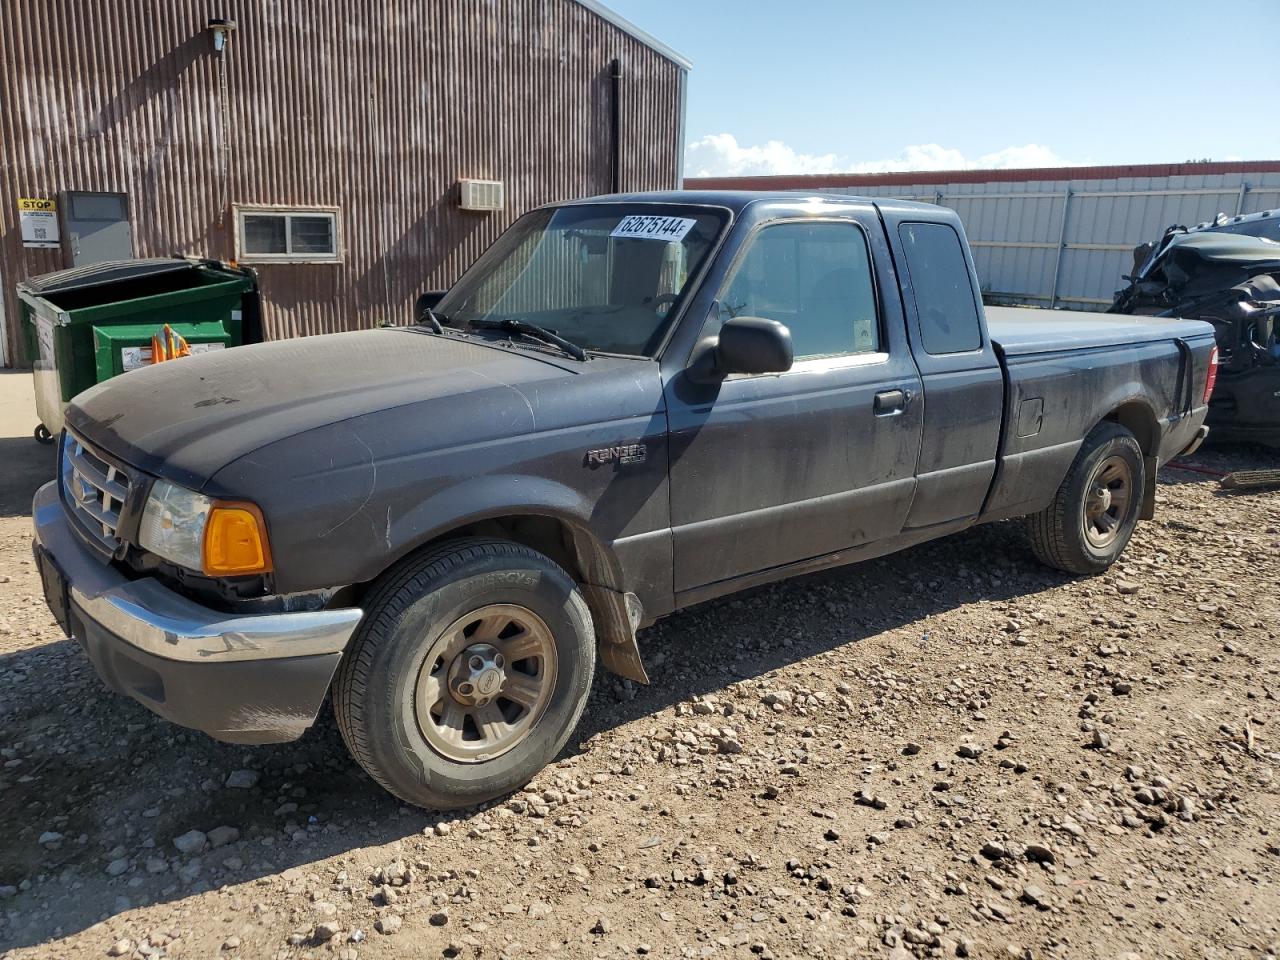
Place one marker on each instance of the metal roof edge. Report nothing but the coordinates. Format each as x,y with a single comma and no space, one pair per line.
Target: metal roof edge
898,178
627,27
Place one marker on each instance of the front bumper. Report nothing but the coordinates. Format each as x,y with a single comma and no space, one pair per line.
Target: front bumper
1246,406
243,679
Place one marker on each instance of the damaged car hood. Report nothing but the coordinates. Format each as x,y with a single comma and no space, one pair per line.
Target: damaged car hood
1173,275
1196,265
188,418
1226,272
1226,248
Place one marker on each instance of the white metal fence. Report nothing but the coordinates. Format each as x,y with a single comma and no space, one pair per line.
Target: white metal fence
1068,243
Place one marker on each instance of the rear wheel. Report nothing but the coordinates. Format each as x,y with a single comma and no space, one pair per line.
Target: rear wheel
1095,510
467,675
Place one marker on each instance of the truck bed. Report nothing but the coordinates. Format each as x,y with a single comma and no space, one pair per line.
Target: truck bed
1066,369
1026,330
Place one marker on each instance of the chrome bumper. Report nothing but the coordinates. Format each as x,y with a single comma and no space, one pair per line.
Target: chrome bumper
150,617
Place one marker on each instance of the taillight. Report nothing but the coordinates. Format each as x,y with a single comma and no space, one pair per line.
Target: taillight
1212,378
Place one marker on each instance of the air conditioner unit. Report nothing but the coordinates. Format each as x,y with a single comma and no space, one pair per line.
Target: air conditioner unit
481,194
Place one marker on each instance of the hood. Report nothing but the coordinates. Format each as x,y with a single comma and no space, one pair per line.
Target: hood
1186,272
1216,247
188,418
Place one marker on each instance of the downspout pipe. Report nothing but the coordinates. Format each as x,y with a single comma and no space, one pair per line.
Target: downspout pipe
615,125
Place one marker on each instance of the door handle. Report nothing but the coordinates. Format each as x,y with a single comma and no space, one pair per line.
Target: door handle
890,402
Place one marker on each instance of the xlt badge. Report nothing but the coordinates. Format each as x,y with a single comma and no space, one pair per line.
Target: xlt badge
622,453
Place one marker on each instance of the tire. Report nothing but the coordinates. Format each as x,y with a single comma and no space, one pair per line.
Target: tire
1064,535
42,434
384,685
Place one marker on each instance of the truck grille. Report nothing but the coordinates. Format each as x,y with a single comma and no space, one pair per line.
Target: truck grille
95,492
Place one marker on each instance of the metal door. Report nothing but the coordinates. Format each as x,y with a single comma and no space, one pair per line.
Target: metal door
96,227
961,376
775,469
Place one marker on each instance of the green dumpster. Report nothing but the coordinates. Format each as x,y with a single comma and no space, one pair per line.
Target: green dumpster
89,324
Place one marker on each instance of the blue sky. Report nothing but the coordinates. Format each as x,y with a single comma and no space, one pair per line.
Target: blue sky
812,86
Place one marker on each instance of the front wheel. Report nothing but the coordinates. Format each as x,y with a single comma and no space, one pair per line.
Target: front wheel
468,674
1093,514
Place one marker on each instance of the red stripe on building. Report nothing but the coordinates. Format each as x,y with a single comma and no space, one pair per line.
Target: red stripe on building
818,181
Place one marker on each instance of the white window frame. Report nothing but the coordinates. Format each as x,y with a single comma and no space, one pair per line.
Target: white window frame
240,211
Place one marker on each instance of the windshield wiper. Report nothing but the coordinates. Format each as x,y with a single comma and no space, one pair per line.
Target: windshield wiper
430,316
533,331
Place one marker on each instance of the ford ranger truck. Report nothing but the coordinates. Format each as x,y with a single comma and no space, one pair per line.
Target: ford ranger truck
627,405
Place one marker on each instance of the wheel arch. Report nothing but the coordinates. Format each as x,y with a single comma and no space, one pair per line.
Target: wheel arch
1138,417
550,519
564,540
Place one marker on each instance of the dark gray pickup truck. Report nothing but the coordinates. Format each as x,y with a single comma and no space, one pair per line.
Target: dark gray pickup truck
626,406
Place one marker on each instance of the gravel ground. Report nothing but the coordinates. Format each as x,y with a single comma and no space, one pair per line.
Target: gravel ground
947,752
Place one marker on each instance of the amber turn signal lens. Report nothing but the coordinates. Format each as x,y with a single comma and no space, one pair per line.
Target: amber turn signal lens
235,541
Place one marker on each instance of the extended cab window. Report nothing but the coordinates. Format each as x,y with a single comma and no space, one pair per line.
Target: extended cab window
939,277
814,276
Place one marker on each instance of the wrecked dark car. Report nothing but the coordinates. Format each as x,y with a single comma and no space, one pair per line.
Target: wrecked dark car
1228,273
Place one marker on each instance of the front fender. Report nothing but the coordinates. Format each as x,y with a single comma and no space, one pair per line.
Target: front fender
473,501
615,611
343,507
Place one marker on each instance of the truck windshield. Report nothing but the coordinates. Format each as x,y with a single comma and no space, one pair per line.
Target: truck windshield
607,276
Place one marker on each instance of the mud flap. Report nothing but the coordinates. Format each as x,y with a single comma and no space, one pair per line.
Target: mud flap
617,616
1151,466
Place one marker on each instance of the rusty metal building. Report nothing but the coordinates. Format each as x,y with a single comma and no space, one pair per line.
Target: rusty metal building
326,144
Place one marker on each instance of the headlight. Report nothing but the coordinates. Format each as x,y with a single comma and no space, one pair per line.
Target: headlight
199,533
173,523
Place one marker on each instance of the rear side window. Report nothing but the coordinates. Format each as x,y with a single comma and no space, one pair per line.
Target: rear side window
944,295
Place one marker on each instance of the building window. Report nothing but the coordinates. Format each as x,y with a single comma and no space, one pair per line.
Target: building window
287,235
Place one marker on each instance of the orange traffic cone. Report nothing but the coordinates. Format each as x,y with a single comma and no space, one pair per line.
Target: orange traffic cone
168,345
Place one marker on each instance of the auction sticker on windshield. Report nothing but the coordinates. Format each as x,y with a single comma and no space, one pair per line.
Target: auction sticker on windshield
671,229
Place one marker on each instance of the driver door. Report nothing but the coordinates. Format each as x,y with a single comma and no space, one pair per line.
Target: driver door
775,469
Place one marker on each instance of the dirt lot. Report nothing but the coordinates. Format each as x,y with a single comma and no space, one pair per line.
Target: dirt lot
948,752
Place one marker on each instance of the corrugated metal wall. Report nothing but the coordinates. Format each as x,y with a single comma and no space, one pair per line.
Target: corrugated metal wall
376,107
1023,249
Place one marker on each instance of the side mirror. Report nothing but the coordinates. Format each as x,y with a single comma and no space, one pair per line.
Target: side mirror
753,345
427,301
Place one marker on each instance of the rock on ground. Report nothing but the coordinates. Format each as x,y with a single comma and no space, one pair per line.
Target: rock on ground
947,752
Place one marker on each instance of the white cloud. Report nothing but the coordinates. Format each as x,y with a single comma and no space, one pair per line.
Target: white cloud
1027,155
720,155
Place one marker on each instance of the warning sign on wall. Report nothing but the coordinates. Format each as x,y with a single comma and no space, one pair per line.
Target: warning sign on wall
39,220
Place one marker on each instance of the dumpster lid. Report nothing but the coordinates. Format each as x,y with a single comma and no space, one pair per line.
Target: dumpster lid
103,274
